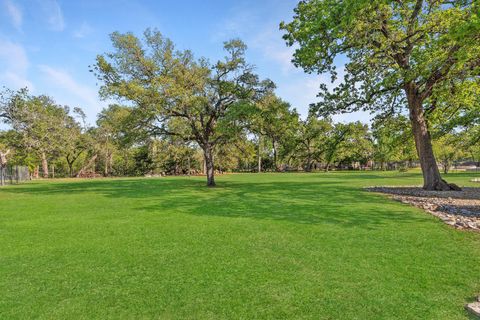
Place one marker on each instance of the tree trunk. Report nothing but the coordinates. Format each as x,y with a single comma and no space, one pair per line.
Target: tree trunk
209,165
275,155
176,169
44,165
2,180
446,166
259,157
125,167
89,164
70,168
108,161
308,167
3,166
431,175
105,169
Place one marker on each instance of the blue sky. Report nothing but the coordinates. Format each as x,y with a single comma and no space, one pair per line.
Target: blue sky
48,45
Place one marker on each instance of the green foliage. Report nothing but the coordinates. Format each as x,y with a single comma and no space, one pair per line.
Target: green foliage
398,54
274,123
393,140
447,150
165,85
322,142
40,128
273,118
230,156
173,156
461,102
388,45
309,143
335,141
357,146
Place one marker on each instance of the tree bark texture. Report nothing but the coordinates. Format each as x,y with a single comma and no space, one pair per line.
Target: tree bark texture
44,165
423,143
209,165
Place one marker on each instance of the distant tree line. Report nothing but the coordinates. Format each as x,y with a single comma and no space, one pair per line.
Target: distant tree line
267,135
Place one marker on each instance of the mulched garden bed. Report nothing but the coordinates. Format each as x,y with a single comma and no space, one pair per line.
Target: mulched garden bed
460,209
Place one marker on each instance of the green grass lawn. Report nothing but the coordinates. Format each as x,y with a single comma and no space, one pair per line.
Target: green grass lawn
259,246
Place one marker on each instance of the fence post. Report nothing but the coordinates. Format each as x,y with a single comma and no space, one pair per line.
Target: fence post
1,176
17,174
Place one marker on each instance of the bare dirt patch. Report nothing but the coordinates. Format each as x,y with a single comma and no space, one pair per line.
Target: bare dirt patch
460,209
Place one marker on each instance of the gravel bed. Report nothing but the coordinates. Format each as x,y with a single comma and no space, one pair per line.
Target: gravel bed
460,209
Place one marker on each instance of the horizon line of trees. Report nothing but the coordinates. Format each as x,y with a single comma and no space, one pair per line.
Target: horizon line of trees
55,141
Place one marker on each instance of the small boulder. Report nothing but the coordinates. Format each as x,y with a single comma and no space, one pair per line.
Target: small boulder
474,308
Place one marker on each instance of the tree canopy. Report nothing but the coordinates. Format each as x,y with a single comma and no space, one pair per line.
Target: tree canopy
398,54
172,93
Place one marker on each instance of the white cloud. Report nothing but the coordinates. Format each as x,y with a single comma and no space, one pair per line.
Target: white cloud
260,34
302,92
13,65
69,91
15,14
273,47
84,30
14,54
236,24
15,81
53,14
305,91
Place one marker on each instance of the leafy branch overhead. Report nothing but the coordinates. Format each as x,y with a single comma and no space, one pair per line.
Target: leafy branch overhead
388,45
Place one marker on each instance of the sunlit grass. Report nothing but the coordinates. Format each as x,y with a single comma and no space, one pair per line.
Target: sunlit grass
262,246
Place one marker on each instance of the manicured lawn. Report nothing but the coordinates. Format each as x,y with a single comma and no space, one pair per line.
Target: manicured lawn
268,246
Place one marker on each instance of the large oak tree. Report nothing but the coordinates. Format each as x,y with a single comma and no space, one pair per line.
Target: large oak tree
165,86
398,53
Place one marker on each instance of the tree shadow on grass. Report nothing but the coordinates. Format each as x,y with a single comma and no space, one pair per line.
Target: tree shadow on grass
302,202
133,188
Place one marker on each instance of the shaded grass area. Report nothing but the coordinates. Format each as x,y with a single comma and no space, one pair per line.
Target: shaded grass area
268,246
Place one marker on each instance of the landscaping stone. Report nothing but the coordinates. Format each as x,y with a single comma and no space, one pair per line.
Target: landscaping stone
474,308
460,209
